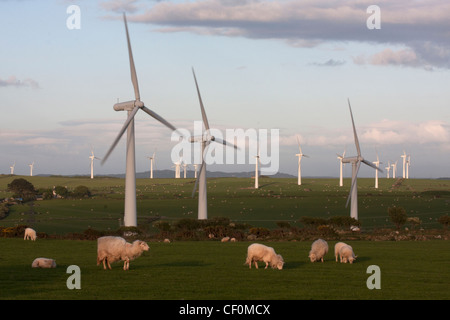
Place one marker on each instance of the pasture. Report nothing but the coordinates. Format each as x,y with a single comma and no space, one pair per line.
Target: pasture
212,270
235,198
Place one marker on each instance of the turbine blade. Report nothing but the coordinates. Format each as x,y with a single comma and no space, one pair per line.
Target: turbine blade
160,119
132,68
299,148
125,126
226,143
354,130
205,119
370,164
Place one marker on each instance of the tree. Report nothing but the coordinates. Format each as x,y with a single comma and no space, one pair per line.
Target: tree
445,221
398,216
22,189
81,192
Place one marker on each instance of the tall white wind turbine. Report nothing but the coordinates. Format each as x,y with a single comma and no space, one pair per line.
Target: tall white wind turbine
204,140
31,168
12,168
377,164
394,169
341,178
257,168
152,160
92,157
356,162
408,163
132,107
404,163
388,168
300,155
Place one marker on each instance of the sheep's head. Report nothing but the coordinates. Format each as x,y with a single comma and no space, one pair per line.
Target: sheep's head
280,262
312,257
144,246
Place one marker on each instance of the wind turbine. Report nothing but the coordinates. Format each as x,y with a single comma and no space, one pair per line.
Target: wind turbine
195,170
388,168
257,169
356,162
404,163
204,140
394,169
184,169
377,164
408,163
31,168
92,157
341,180
177,166
12,168
152,160
300,155
132,107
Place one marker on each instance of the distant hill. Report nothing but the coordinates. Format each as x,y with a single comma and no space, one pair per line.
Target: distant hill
190,174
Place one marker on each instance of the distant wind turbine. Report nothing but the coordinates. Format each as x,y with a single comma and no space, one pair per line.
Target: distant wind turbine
388,168
152,160
394,169
341,179
31,168
408,163
404,163
204,140
132,107
12,168
377,164
257,169
356,162
92,157
300,155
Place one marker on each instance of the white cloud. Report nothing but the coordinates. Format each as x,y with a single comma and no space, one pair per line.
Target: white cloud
12,81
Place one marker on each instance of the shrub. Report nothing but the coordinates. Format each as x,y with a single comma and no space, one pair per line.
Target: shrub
4,210
22,189
444,220
81,192
398,216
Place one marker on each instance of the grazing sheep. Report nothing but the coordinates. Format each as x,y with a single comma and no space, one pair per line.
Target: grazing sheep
338,247
259,252
30,234
225,239
111,249
347,254
43,263
319,249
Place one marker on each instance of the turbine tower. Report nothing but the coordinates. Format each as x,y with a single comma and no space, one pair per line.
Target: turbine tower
300,155
132,107
204,140
356,162
377,164
341,179
12,168
404,163
257,170
408,163
152,160
388,168
394,169
92,157
31,168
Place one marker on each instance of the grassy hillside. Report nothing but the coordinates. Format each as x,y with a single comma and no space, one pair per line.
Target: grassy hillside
235,198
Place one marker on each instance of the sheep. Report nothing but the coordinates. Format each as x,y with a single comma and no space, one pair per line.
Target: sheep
43,263
338,247
111,249
225,239
259,252
30,234
347,254
319,249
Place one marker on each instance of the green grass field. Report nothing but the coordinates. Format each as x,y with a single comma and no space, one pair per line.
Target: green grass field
215,270
211,270
235,198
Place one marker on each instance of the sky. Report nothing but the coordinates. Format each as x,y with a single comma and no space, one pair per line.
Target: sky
287,68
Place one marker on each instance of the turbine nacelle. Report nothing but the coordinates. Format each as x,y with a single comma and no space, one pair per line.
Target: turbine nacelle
128,105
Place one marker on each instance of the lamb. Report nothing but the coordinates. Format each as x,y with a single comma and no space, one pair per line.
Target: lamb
338,247
111,249
30,234
319,249
347,254
43,263
259,252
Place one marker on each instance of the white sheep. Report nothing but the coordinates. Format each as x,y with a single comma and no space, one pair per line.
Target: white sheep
43,263
319,249
259,252
347,254
225,239
111,249
338,247
30,234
